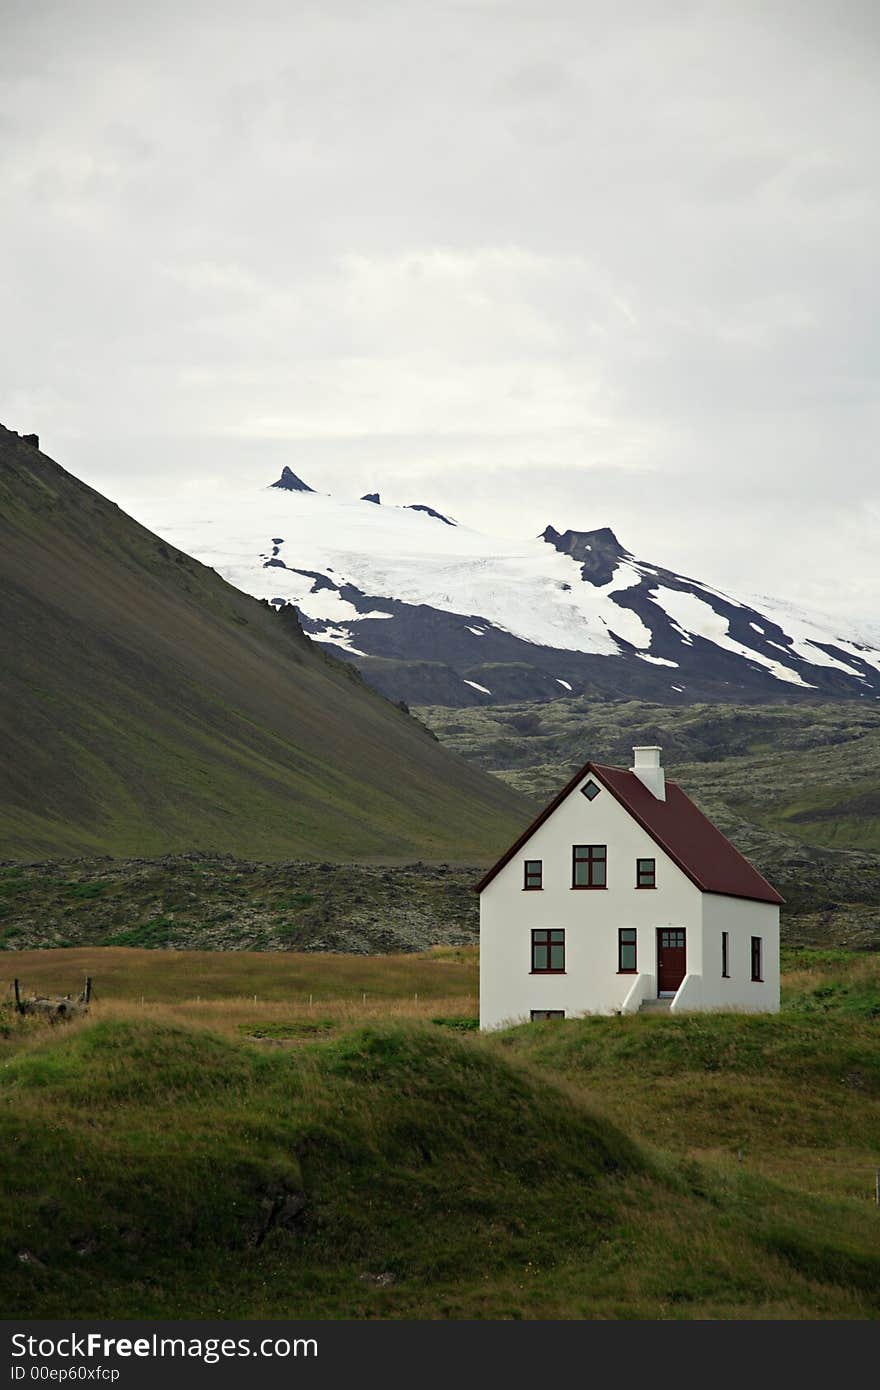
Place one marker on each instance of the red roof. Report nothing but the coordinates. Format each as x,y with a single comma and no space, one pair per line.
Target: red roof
677,825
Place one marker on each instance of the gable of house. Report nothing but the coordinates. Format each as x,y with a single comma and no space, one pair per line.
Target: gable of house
675,824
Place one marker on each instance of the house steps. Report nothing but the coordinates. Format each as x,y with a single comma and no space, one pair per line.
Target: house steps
654,1006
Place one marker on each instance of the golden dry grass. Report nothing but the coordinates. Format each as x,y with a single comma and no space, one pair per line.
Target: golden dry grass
292,977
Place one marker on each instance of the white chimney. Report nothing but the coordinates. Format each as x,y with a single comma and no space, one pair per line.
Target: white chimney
646,766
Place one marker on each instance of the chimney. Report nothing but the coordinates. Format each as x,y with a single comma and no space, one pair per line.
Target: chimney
646,766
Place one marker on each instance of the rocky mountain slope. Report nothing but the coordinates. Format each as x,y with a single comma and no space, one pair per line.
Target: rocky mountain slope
147,707
433,612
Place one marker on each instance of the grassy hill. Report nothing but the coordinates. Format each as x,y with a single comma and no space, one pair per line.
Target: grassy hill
160,1160
146,706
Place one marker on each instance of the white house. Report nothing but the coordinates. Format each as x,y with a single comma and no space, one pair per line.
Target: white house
622,895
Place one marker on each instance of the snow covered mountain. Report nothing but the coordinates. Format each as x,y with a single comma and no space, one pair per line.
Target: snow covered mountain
436,613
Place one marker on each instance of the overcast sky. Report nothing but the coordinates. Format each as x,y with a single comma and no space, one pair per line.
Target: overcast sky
529,261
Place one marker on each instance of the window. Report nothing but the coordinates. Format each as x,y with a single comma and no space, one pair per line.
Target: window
533,874
548,952
539,1014
646,873
589,865
757,972
725,955
590,791
626,951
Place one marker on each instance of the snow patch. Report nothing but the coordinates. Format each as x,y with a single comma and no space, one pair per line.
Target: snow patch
806,633
699,617
560,681
476,686
337,637
655,660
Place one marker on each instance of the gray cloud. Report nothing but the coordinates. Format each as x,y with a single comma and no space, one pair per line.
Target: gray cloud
580,262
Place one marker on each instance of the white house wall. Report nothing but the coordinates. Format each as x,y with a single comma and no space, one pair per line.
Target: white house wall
741,919
590,916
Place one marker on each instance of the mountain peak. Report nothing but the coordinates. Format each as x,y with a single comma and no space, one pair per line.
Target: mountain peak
290,482
598,552
429,511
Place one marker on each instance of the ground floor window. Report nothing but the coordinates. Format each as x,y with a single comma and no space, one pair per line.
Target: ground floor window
548,952
725,955
757,971
626,951
539,1014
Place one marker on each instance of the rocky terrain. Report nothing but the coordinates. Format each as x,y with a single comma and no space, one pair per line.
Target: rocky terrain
211,902
216,902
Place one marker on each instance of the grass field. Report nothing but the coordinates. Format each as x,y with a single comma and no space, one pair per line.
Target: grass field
351,1157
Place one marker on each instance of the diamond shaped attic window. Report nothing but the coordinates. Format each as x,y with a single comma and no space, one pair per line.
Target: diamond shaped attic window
590,790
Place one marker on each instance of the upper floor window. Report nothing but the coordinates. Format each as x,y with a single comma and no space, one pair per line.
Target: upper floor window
757,963
533,873
590,790
646,873
589,866
548,952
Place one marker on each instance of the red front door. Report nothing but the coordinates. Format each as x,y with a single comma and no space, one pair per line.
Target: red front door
671,959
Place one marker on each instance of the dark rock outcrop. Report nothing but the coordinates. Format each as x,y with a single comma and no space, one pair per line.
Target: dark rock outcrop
290,482
430,511
599,552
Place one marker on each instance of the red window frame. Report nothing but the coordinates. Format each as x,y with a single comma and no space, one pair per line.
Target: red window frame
595,857
545,939
649,875
539,875
632,940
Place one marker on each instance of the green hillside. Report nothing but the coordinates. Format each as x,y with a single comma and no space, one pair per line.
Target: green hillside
147,707
699,1167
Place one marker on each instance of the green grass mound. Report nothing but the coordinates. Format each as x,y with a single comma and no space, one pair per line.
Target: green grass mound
805,1046
412,1171
794,1089
158,1171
